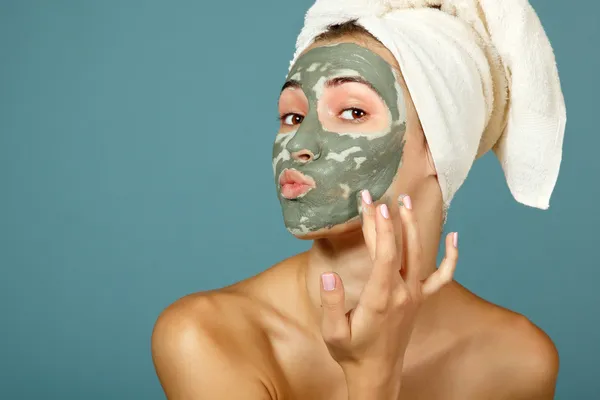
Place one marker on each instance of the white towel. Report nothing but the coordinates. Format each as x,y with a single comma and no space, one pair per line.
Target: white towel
482,75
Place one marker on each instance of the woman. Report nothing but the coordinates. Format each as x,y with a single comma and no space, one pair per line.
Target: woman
364,314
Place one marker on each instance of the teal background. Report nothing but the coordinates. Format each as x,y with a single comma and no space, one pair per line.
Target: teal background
135,167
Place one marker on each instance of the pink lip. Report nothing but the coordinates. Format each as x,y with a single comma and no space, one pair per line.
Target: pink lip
294,183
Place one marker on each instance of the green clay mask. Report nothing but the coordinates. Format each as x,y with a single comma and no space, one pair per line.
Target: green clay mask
342,163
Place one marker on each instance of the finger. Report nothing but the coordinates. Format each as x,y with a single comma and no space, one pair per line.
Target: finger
334,324
394,207
383,279
385,244
412,242
367,213
445,273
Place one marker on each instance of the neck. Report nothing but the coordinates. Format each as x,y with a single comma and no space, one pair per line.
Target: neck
347,254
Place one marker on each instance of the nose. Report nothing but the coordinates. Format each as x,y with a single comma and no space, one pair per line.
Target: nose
305,145
303,155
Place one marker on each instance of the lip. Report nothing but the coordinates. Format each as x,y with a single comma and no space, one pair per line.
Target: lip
295,184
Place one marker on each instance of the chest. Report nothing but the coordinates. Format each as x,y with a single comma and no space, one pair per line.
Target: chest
305,370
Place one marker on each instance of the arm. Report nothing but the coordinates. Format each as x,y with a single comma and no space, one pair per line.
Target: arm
192,364
377,386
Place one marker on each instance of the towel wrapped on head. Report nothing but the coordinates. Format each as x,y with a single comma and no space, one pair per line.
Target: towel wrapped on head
481,74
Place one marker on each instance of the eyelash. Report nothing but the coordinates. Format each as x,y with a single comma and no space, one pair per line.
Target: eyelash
282,118
355,120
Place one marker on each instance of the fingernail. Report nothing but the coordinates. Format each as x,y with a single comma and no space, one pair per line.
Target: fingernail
384,211
328,282
366,196
401,200
359,206
455,239
406,201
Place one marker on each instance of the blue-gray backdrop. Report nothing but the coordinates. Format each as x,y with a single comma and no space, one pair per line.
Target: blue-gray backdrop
135,167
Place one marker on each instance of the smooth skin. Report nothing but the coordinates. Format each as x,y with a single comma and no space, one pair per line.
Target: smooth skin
263,337
374,335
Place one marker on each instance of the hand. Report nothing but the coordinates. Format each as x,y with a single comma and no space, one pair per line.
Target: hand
370,340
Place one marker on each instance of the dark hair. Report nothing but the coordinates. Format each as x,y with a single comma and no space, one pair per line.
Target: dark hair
350,28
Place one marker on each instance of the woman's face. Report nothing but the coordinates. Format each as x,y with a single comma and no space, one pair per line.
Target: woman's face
343,122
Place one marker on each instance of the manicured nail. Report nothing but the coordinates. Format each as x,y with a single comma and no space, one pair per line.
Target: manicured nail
328,282
366,196
359,203
384,211
455,239
401,200
407,202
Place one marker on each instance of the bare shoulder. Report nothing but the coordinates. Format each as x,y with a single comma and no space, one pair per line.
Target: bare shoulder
510,357
527,358
200,348
217,344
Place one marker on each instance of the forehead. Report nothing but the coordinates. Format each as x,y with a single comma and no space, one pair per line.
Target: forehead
342,59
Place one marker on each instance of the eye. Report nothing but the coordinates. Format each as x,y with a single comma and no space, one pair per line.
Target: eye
353,114
291,119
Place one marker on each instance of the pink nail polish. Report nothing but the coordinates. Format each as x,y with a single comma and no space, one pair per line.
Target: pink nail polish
384,211
407,202
455,239
366,196
328,282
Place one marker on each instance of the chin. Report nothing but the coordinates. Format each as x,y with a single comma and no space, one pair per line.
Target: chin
336,230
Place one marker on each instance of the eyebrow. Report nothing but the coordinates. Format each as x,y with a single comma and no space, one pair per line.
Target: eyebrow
333,82
291,84
345,79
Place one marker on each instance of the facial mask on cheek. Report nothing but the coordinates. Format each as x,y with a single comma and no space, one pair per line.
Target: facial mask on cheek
343,163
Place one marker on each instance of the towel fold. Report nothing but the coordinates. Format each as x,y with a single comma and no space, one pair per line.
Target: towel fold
482,76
